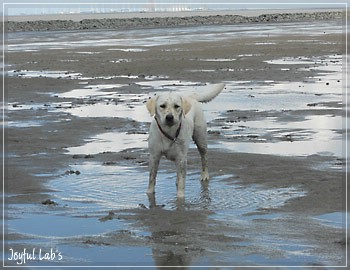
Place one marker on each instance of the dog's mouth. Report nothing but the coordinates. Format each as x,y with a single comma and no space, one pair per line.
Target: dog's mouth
170,124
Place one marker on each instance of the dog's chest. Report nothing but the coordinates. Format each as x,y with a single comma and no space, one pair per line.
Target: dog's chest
173,150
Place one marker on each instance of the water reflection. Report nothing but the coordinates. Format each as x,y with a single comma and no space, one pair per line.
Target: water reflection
175,235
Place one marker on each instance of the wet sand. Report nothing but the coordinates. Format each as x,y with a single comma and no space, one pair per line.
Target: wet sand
47,124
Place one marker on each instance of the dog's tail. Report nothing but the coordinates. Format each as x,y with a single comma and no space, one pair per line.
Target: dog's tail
207,96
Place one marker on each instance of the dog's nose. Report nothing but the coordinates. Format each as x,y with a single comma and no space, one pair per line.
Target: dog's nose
169,118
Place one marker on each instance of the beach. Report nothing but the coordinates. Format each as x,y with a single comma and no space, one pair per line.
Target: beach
76,126
128,20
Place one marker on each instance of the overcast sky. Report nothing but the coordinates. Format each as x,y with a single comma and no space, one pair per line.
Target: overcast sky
12,7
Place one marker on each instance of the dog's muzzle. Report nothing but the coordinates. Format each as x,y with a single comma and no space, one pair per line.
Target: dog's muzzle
169,119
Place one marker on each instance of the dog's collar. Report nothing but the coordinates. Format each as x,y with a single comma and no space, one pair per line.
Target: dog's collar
173,139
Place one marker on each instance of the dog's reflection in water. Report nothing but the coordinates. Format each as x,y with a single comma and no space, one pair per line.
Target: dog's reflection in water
170,260
177,235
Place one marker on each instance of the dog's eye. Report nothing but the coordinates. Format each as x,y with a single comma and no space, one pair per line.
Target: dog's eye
176,106
162,106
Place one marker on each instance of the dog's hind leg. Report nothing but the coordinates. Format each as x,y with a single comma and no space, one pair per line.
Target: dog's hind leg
204,159
200,139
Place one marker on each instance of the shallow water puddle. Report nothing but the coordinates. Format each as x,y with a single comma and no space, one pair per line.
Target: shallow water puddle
330,68
84,199
87,255
137,113
60,75
321,134
314,135
128,49
278,96
99,103
173,85
69,75
44,74
91,91
123,105
218,60
301,148
336,219
110,142
23,124
55,226
115,187
100,256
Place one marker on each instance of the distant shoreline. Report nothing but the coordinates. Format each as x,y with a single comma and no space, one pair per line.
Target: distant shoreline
163,19
76,17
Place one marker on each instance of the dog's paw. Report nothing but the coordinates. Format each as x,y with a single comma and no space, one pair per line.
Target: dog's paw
205,176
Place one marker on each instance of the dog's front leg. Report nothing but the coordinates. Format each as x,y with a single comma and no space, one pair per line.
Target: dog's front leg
153,165
181,167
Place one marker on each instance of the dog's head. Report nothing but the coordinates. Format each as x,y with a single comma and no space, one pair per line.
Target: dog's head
168,108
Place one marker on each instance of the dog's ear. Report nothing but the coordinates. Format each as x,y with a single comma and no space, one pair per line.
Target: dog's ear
186,105
151,106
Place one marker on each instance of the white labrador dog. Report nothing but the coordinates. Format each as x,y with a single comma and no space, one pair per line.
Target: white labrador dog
177,119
